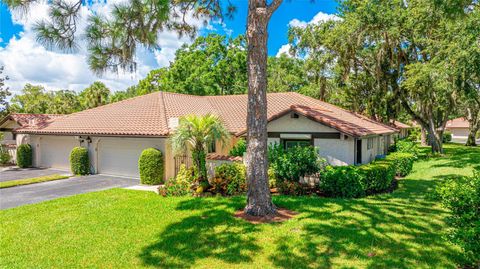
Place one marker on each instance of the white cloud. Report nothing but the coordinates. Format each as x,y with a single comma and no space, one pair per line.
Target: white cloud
285,49
318,18
27,61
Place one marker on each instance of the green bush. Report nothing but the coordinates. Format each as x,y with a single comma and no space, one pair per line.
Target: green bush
4,156
378,176
230,179
402,161
293,163
151,166
79,161
292,188
407,146
462,198
239,149
180,185
272,179
342,181
447,137
24,156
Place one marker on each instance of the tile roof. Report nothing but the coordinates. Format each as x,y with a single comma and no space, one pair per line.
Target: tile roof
30,120
149,115
457,123
400,125
219,157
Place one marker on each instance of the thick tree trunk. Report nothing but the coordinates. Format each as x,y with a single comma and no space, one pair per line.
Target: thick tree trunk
259,201
435,138
474,125
423,137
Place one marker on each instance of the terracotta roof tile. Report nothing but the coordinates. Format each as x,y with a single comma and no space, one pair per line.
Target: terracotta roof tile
457,123
218,157
400,125
30,120
149,115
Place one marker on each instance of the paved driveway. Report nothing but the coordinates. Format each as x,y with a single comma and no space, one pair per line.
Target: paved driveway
35,193
22,173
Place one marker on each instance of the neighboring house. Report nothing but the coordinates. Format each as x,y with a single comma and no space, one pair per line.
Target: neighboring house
402,127
459,128
116,134
20,120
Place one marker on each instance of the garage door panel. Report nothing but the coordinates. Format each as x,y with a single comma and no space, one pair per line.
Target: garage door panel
119,156
55,151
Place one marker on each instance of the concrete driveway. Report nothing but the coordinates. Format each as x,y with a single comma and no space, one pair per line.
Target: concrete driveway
13,173
35,193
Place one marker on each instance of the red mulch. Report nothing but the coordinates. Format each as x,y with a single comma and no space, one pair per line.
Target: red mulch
282,215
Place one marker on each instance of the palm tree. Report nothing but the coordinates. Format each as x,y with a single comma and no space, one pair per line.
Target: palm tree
197,133
95,95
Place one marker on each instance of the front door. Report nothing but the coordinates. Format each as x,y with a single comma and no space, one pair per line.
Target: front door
359,151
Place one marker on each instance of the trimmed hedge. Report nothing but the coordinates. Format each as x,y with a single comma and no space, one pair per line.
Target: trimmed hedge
402,161
24,156
151,166
79,161
378,176
342,181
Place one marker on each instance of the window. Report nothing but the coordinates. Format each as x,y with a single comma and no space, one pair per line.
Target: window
212,147
369,143
14,136
294,116
296,143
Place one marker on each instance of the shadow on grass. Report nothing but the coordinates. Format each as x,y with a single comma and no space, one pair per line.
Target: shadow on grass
461,157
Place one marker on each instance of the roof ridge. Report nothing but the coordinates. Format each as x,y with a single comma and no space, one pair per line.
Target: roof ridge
164,110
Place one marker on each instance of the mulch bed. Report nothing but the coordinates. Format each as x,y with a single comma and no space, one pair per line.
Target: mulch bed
282,215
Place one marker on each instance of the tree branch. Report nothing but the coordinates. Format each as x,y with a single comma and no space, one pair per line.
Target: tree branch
273,6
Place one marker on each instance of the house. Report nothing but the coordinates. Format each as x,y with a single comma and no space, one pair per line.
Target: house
402,127
115,134
459,128
18,120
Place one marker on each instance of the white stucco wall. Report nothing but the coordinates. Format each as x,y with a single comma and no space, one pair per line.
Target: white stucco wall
378,147
459,133
336,151
302,124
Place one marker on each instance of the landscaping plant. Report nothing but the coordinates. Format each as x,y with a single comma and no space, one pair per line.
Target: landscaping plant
24,156
402,161
239,148
293,163
4,155
195,133
151,166
342,181
462,198
79,161
181,184
229,179
378,176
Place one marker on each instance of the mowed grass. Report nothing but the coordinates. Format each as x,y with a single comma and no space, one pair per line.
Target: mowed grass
26,181
128,229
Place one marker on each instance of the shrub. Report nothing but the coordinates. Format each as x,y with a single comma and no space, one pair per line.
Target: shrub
293,163
230,179
272,179
342,181
462,197
378,176
4,155
402,161
24,156
447,137
407,147
292,188
239,148
151,166
79,162
181,184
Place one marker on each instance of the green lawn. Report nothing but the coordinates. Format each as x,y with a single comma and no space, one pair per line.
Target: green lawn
124,228
26,181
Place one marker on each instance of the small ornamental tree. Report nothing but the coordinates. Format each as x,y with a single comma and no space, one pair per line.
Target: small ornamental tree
24,156
195,133
79,161
151,166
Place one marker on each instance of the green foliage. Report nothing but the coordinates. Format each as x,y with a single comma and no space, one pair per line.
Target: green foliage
4,93
272,178
447,137
151,166
5,157
24,156
79,161
196,133
293,163
342,181
407,146
229,179
402,161
239,148
95,95
462,198
378,176
182,184
293,188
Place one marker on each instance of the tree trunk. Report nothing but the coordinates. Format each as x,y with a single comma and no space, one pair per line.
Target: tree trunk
435,138
259,200
423,137
474,126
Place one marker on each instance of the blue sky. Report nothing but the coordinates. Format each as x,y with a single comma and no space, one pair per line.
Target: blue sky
28,62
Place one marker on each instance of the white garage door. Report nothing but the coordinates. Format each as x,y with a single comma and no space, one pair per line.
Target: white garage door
119,156
55,151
